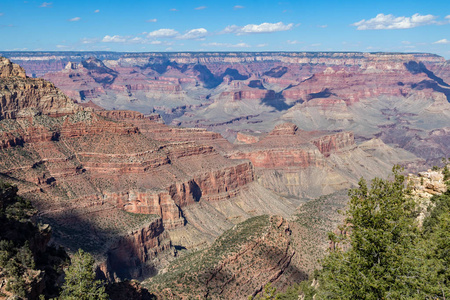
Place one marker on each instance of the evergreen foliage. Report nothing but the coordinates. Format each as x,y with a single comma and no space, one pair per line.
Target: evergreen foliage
80,283
389,256
16,259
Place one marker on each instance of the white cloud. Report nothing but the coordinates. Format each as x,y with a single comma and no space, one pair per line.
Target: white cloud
152,20
447,17
238,7
443,41
194,34
163,33
173,9
294,42
97,11
1,14
316,45
227,45
62,46
241,45
136,40
89,41
46,4
382,21
262,45
74,19
114,39
261,28
322,26
200,8
406,42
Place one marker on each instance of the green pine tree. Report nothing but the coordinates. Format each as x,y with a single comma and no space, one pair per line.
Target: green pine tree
80,283
383,260
435,246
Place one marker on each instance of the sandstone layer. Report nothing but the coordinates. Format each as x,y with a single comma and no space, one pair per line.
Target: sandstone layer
22,95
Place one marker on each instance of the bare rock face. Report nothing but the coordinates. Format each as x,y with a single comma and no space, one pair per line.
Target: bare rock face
284,129
100,176
133,256
246,138
106,186
425,185
8,69
21,96
372,94
287,147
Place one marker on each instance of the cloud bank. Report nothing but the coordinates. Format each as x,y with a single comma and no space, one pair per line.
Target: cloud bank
382,21
443,41
261,28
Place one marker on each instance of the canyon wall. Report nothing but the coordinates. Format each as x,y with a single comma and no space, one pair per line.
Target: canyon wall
133,255
21,95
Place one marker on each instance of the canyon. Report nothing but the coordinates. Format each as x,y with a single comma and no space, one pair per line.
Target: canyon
147,160
387,96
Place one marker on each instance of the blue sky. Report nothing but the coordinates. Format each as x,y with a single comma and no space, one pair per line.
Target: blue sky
238,25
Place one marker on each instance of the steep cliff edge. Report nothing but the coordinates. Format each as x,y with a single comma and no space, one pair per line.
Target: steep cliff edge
138,254
21,96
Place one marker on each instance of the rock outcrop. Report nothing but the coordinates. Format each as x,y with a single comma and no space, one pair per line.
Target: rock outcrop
134,255
21,96
8,69
427,184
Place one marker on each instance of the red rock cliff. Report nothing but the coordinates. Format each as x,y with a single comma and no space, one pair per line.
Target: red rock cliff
132,256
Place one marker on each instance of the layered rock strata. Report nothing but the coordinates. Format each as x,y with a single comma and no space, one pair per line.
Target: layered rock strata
308,164
20,95
390,96
101,179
